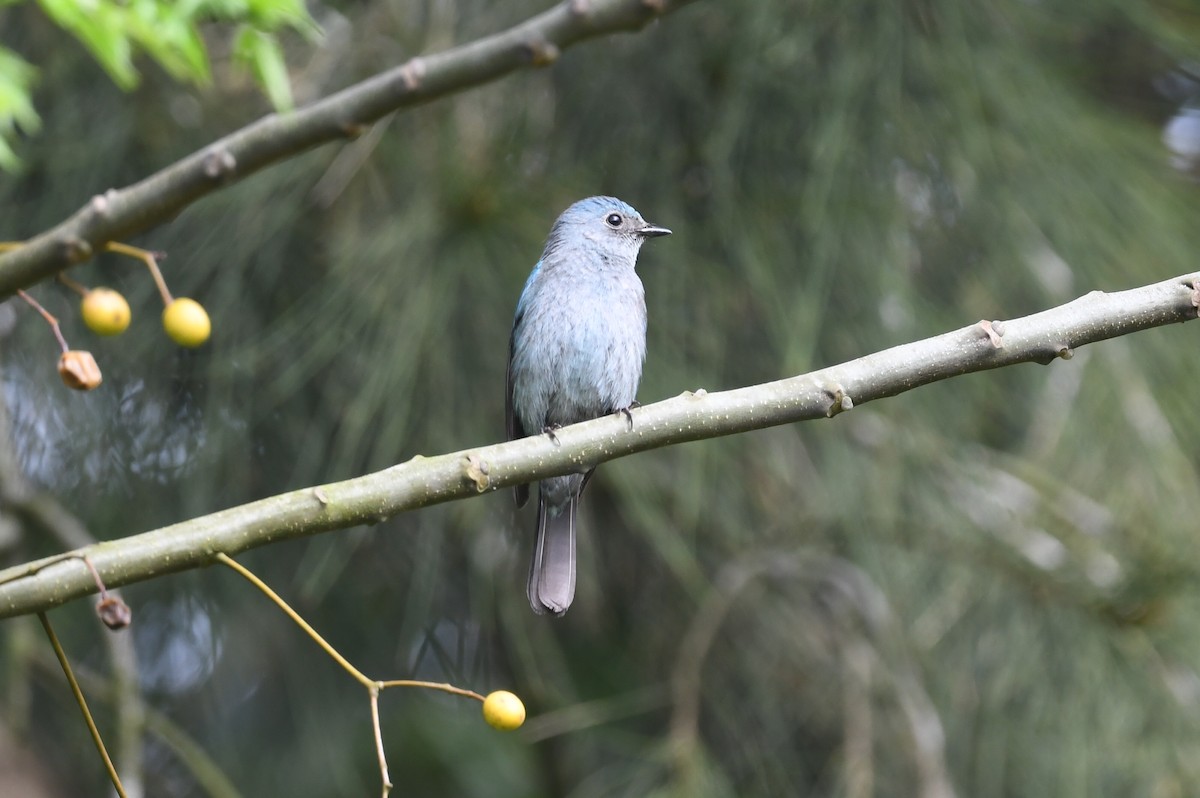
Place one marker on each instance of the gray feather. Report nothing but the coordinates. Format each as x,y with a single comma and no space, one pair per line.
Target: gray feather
552,572
576,353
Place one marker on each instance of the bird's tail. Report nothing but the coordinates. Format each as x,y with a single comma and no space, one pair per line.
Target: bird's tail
552,573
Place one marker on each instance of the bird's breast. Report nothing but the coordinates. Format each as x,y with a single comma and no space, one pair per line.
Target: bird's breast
579,352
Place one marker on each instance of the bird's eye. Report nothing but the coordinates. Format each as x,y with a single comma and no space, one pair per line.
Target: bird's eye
613,220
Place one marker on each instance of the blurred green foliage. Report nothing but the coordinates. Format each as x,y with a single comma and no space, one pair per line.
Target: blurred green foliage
984,588
16,107
172,34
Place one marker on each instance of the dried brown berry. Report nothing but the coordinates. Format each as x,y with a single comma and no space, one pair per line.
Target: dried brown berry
114,613
78,370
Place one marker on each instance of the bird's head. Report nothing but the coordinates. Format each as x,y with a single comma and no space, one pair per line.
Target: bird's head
606,225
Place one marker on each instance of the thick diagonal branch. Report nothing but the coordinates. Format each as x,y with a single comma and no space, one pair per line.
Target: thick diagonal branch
118,214
420,482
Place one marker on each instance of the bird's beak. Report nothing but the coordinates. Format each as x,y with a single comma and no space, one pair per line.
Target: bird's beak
653,231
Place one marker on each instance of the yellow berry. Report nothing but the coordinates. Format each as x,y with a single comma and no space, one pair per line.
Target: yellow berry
186,322
105,311
503,710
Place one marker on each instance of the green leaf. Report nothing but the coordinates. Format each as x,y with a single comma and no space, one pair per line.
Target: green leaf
116,31
16,107
100,25
168,35
275,14
261,52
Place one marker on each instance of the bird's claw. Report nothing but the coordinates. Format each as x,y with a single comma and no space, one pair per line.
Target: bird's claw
549,429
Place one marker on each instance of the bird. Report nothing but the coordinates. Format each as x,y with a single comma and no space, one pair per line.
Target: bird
576,352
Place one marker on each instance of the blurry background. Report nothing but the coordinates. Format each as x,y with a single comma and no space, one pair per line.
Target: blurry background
984,588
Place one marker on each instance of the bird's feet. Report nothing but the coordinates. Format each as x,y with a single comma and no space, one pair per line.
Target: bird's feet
549,430
629,416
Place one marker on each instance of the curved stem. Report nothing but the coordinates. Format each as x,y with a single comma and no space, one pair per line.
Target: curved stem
147,257
74,285
50,319
358,675
445,688
83,707
374,688
379,752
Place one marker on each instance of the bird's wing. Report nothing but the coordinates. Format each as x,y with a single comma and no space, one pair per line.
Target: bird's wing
512,423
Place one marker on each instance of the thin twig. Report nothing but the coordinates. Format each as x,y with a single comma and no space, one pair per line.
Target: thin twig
199,764
83,707
358,675
147,257
32,568
374,688
379,752
74,285
50,319
445,688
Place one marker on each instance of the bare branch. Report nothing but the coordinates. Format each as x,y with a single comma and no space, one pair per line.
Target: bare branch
118,214
1040,338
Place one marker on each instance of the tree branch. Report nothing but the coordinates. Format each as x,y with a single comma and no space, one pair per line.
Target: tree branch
118,214
420,482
